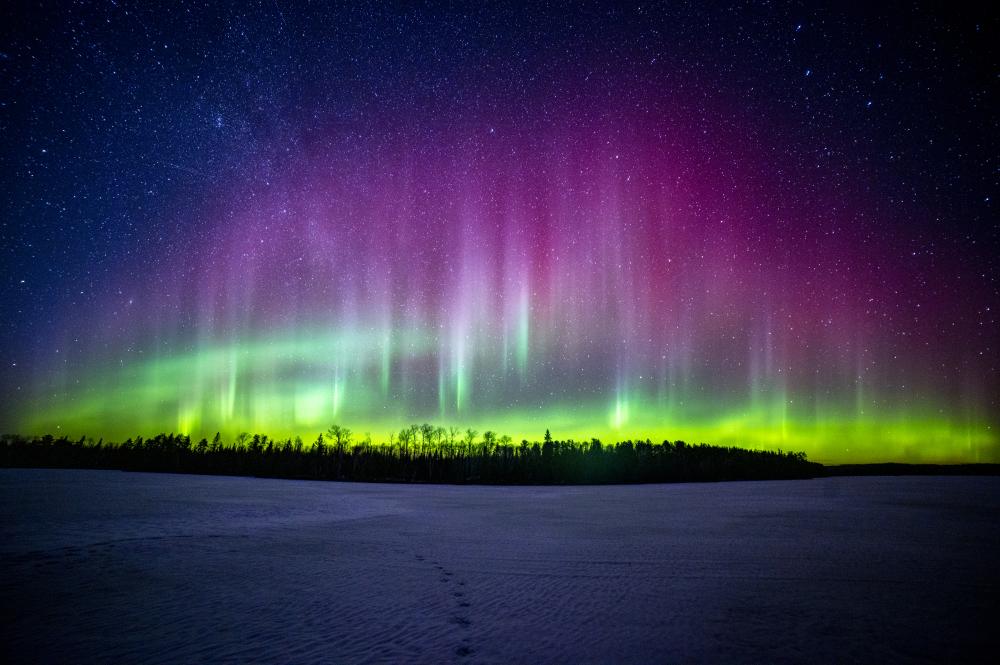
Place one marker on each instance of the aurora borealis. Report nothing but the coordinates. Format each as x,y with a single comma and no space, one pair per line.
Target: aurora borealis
769,228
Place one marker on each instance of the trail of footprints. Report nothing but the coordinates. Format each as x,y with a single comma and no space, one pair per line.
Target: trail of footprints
461,603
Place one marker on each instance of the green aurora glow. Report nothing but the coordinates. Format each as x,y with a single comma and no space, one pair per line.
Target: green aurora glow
260,386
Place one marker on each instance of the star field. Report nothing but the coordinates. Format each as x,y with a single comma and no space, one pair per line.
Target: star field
769,226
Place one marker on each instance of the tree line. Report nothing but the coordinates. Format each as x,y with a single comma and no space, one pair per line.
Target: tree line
418,453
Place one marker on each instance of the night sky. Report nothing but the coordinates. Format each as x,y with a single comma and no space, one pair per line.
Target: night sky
771,226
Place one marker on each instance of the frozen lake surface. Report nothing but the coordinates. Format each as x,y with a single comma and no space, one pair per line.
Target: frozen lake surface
126,567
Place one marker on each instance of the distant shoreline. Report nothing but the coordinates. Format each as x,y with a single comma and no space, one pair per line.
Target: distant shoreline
917,469
877,469
422,460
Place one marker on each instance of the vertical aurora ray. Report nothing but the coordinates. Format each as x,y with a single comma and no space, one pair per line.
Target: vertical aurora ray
523,330
637,278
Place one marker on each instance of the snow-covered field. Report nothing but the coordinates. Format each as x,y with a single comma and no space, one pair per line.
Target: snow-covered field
124,567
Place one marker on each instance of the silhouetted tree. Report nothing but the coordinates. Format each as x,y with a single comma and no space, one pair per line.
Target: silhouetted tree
496,461
341,436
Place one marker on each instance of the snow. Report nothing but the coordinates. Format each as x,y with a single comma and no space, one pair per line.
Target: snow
126,567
